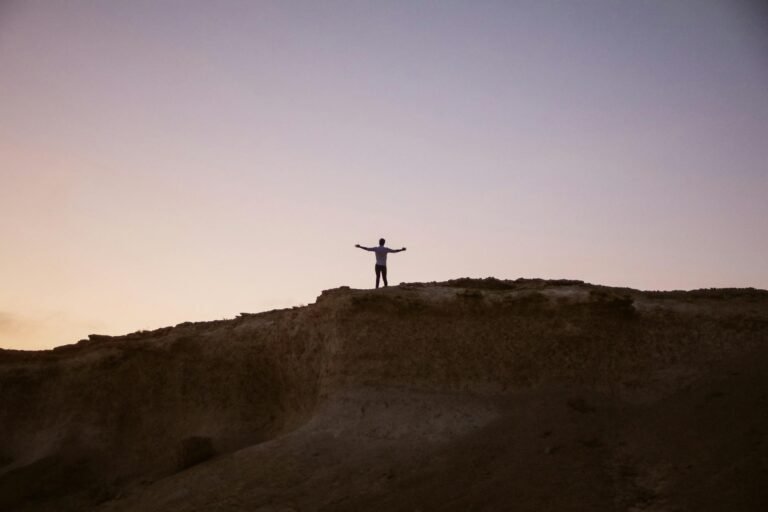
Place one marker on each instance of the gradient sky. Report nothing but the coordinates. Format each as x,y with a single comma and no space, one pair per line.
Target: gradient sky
164,161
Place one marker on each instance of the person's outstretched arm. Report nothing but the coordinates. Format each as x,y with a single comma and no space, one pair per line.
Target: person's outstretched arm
398,250
363,248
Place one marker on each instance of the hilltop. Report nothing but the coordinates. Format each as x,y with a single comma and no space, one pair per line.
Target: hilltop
471,394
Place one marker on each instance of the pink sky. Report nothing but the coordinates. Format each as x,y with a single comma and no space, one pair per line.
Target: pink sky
172,161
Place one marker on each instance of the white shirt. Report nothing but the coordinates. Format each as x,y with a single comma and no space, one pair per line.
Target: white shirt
381,254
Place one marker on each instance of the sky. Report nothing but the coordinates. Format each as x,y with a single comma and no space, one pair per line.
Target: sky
169,161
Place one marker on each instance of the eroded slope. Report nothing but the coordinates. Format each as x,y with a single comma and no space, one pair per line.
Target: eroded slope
459,395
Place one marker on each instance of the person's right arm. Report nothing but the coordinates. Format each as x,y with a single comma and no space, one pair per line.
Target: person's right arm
363,248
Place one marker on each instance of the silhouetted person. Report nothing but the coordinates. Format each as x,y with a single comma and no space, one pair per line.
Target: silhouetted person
381,259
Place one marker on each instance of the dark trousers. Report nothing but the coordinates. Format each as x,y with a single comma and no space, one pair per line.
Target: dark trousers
381,271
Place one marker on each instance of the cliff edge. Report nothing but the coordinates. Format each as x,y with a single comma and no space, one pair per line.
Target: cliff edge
471,394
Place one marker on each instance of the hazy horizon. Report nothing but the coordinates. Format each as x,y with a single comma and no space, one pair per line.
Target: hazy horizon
181,161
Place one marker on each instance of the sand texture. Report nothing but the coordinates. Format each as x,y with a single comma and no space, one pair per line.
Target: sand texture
467,395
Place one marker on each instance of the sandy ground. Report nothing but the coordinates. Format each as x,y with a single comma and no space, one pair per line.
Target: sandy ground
467,395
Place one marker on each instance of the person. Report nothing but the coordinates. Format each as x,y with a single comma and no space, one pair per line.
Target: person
381,259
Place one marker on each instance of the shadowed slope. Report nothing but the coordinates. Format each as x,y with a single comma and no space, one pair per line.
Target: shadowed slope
452,396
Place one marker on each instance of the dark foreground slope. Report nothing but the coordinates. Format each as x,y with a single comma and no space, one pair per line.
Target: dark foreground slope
522,395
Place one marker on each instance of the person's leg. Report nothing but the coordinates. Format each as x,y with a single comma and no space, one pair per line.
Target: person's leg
384,275
378,274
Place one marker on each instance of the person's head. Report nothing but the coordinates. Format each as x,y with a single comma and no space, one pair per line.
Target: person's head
381,242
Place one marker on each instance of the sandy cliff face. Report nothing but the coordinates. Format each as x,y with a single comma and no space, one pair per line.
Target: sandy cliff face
466,395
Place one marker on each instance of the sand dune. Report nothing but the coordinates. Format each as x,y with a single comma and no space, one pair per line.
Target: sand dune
525,395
